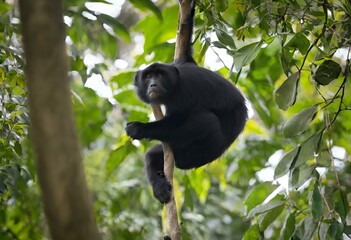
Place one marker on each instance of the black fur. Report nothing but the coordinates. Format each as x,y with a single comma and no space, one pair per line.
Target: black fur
205,113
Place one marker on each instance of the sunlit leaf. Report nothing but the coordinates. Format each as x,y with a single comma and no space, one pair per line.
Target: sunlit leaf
300,175
120,30
2,74
4,7
147,4
203,50
285,95
253,233
123,78
285,163
257,195
200,177
164,31
127,96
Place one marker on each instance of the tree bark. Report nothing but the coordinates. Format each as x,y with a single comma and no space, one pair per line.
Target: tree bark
181,45
67,202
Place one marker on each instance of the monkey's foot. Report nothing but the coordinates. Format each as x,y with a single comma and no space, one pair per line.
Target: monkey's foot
162,190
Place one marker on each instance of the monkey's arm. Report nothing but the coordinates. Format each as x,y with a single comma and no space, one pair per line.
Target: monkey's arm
162,130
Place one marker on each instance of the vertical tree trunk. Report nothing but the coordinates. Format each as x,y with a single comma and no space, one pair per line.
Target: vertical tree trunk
65,195
181,45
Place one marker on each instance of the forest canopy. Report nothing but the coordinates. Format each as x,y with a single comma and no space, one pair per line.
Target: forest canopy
288,176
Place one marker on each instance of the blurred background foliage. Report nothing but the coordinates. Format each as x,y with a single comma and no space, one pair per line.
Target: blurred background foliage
288,176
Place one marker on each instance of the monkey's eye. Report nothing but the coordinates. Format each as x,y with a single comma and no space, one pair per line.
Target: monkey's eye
158,75
148,76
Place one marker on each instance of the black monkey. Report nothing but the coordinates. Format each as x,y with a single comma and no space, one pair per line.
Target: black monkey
204,114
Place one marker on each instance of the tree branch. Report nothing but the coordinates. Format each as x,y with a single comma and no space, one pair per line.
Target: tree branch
181,46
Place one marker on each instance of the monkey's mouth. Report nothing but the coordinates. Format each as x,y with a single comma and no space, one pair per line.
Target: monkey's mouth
153,95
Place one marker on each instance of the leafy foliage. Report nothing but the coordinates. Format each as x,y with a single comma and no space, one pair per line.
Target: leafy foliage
287,176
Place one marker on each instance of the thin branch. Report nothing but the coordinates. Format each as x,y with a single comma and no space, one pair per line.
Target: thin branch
319,36
181,46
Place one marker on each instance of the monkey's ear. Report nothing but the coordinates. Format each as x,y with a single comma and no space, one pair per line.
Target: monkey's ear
176,72
137,76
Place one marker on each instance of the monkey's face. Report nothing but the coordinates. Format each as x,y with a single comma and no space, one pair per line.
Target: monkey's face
156,84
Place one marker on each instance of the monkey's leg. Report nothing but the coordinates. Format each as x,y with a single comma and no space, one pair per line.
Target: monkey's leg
154,170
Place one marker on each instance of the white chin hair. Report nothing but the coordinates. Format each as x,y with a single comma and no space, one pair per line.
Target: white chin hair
152,95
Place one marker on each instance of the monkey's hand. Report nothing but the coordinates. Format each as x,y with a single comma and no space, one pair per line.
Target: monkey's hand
135,130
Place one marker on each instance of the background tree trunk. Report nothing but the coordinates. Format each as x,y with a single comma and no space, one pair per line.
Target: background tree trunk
66,199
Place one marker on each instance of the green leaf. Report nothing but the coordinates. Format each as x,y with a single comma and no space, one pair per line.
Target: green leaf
335,230
285,163
324,158
269,217
108,45
341,204
200,177
18,148
117,156
156,32
306,229
120,30
91,114
262,208
221,5
257,195
299,122
225,38
300,175
300,42
148,4
203,50
285,95
123,78
308,149
316,203
327,72
245,55
127,96
288,228
218,44
2,75
18,90
4,7
286,59
252,234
